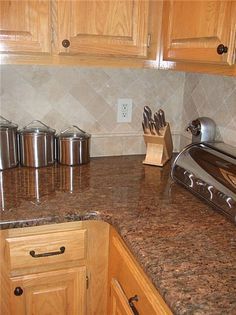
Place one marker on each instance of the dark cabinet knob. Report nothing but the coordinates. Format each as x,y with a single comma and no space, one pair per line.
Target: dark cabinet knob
18,291
66,43
221,49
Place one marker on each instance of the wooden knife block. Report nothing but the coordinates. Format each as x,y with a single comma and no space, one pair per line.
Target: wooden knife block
159,148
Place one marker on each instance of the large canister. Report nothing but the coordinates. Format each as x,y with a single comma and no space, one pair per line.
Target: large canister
73,146
8,144
37,145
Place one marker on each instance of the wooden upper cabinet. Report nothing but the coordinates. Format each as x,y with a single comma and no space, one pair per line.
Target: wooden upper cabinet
111,27
25,27
194,29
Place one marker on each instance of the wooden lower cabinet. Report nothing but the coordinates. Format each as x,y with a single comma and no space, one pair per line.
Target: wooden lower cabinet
60,292
95,274
130,291
58,269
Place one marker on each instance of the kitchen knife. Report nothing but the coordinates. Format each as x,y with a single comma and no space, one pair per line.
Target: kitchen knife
161,116
145,130
154,128
157,123
146,122
148,111
151,127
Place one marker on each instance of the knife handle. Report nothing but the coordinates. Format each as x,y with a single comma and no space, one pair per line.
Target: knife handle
162,119
146,122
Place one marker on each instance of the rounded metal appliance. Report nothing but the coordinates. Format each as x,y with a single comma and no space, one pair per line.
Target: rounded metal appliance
37,145
203,129
73,146
8,144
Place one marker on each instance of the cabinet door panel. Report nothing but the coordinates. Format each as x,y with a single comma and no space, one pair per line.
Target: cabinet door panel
119,302
126,280
194,29
59,292
112,27
25,26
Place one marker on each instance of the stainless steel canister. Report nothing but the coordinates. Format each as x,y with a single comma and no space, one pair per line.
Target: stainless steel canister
73,146
8,144
37,145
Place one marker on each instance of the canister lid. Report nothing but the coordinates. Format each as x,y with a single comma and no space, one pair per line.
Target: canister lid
73,132
6,124
36,126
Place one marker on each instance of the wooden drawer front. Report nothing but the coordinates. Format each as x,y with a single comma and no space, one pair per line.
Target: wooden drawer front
133,282
18,249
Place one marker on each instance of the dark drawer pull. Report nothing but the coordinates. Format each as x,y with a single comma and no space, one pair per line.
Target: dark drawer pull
59,252
131,304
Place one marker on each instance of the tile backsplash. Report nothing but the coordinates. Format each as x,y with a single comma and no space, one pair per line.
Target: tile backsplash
210,96
87,97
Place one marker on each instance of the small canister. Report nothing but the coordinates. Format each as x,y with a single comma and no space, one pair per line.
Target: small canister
37,145
8,144
73,145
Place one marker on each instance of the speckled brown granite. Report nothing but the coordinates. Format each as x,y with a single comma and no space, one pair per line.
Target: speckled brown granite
187,249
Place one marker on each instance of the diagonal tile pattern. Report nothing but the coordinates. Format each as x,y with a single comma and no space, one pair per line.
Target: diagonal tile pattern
211,96
87,97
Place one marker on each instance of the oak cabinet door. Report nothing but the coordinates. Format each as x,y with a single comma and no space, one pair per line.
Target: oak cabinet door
119,302
111,27
25,26
59,292
128,285
193,30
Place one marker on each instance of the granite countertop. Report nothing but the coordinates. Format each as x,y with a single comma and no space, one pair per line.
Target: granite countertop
186,248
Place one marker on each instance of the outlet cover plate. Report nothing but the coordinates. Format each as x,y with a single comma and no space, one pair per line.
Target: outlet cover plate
124,110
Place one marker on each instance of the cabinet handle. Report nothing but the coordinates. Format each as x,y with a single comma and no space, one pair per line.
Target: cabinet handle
65,43
59,252
18,291
221,49
131,304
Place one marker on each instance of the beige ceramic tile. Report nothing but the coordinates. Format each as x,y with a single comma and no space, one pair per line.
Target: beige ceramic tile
82,92
87,97
211,96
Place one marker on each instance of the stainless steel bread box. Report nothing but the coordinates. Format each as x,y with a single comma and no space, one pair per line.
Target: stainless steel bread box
209,171
37,145
8,144
73,146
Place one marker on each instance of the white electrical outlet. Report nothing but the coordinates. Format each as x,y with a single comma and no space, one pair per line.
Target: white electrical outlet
124,110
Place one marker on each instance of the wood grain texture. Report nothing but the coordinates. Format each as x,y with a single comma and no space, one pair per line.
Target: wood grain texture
112,28
5,290
132,279
194,29
119,301
87,239
18,248
25,27
56,292
198,67
97,266
159,148
90,59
